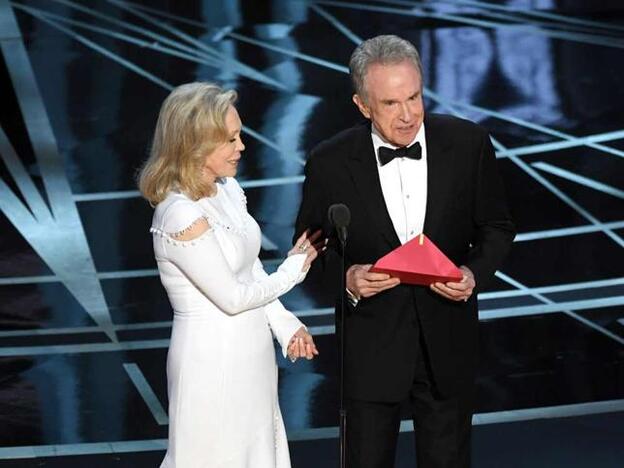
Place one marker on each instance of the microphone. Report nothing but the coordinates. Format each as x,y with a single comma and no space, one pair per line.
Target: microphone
340,217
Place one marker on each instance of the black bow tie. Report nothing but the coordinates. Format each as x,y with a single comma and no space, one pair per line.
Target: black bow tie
388,154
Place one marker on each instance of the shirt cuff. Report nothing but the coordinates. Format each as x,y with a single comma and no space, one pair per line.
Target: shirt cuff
352,298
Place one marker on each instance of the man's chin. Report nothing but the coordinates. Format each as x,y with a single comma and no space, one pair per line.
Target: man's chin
404,138
404,141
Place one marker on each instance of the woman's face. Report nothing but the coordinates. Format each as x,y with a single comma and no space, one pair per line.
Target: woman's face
223,161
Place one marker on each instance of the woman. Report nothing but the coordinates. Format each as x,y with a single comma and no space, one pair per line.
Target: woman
221,369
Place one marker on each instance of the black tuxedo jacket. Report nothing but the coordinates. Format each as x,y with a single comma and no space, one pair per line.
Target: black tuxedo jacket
466,217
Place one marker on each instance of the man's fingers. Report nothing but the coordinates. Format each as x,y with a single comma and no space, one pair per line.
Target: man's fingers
369,288
383,285
370,276
464,284
378,285
369,292
451,294
467,281
437,290
361,284
391,283
364,283
454,294
452,291
450,288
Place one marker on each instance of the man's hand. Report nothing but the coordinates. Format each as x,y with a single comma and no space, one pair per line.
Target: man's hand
457,291
363,283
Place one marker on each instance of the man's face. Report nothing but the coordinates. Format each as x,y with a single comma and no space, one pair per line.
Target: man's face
393,101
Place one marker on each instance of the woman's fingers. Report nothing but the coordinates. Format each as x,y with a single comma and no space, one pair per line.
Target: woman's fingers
320,245
310,245
292,347
309,340
306,240
302,238
311,256
302,345
312,239
309,345
312,345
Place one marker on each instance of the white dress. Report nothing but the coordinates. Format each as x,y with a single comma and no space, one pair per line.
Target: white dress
221,368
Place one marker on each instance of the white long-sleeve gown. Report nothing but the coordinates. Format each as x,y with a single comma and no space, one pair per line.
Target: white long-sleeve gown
221,368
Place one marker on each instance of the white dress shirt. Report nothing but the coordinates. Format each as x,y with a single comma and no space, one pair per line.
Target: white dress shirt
404,187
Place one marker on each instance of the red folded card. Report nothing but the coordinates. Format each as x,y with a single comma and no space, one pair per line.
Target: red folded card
418,261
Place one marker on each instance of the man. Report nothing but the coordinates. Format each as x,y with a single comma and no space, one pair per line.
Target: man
401,174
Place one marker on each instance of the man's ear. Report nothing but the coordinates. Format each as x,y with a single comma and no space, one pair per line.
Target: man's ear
361,105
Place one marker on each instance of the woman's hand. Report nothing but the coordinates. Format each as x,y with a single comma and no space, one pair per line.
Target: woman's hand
311,246
301,345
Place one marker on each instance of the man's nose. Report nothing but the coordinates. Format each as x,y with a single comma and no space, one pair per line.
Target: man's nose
406,115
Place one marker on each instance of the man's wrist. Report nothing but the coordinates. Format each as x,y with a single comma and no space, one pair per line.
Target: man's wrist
352,298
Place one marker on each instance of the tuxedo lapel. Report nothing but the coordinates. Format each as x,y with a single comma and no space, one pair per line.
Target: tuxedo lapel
362,166
439,176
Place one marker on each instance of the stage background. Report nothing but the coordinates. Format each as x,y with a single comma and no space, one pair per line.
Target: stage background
84,322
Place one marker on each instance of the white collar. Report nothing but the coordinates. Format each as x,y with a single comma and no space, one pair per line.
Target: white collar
378,141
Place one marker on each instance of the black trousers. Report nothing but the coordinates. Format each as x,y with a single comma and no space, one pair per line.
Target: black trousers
442,426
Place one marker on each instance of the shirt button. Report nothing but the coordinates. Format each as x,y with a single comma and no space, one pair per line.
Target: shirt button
411,233
407,196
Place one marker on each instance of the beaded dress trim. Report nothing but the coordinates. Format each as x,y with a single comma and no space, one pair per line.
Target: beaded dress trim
212,220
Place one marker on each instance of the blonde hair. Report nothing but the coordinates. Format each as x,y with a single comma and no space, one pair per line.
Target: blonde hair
190,126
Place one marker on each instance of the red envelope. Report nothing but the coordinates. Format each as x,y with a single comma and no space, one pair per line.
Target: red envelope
418,261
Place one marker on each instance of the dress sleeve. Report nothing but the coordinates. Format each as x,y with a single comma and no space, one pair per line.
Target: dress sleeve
283,323
202,261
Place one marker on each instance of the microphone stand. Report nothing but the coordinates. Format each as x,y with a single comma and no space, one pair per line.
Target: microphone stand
340,216
343,411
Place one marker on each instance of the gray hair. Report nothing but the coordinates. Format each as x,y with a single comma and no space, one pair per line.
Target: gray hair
386,49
